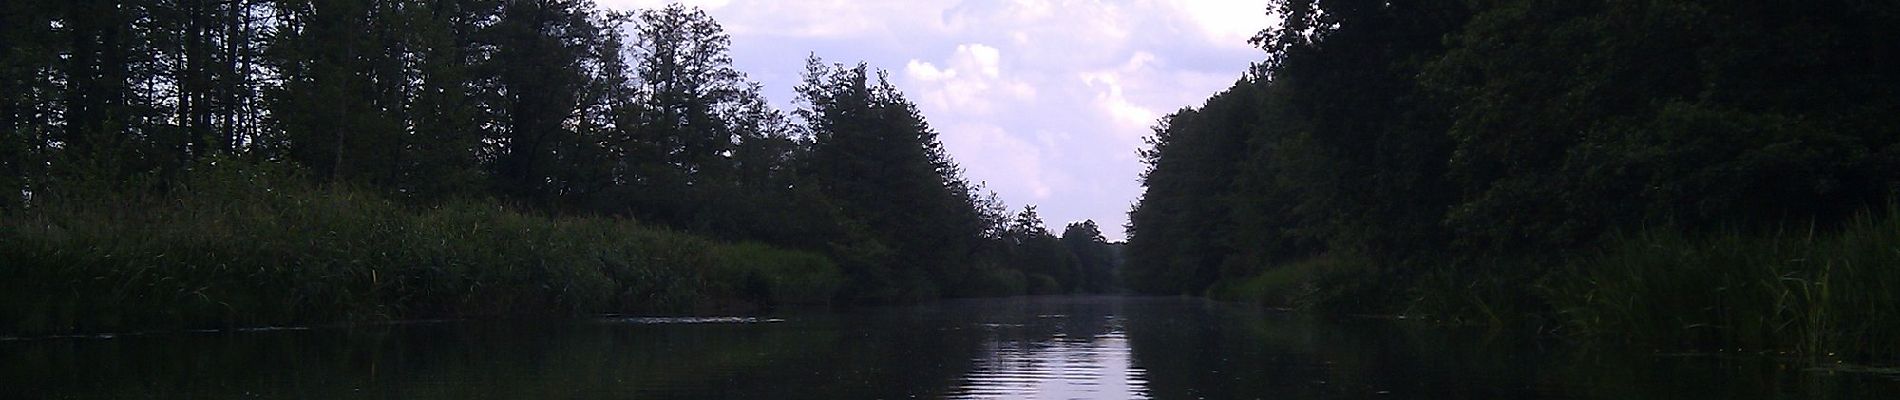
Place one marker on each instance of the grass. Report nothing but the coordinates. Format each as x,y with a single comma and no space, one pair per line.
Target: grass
1334,282
1823,295
1829,296
261,249
1285,286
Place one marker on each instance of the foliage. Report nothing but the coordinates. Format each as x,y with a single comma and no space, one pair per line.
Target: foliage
376,122
1824,295
1452,158
251,246
1095,260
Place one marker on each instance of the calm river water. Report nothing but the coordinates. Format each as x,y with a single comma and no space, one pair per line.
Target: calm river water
1053,348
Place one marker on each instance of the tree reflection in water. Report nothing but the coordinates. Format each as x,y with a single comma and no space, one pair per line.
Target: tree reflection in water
1043,347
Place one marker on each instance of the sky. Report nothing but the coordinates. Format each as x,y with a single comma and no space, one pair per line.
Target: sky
1046,102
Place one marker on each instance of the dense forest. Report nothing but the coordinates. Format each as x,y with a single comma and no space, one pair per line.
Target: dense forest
197,162
1672,173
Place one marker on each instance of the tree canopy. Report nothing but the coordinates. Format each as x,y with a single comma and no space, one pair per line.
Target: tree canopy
1405,142
552,106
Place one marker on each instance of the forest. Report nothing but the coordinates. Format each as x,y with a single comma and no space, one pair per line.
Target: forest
216,163
1667,174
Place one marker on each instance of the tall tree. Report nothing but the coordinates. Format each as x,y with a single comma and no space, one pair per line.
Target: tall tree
1382,141
875,155
1572,137
692,96
445,119
342,98
1049,265
1177,241
536,73
1095,261
697,143
108,107
30,80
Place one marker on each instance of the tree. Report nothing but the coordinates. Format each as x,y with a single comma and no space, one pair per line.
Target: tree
540,52
442,157
692,97
1647,133
1095,260
545,104
873,153
341,99
31,80
1048,264
1372,153
696,141
1177,240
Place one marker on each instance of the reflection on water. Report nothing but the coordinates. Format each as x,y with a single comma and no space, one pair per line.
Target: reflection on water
1054,348
1064,368
1051,348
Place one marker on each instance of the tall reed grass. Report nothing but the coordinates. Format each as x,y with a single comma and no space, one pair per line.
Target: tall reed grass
1293,285
240,247
1828,295
1817,294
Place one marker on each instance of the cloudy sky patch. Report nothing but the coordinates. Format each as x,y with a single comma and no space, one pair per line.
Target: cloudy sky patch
1045,101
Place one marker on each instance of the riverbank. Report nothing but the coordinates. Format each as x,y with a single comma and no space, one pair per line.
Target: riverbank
1821,294
1824,295
255,249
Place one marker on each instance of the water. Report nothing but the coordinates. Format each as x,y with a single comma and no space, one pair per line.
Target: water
1055,348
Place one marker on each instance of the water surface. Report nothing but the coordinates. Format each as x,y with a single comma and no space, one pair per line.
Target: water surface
1053,347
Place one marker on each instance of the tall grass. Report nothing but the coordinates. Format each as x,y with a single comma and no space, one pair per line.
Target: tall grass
257,248
1829,295
1340,282
1819,294
1287,286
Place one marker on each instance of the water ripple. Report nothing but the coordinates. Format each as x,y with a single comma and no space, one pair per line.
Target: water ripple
689,320
1059,367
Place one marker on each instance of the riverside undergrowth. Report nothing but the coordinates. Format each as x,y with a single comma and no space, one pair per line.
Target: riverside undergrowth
1822,294
1827,295
233,247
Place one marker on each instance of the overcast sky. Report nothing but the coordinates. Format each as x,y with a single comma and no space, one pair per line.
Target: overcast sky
1045,101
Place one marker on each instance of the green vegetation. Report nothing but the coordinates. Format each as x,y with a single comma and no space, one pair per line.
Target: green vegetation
1294,285
1476,161
244,249
197,162
1818,294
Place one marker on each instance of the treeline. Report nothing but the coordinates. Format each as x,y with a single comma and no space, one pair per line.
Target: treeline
1514,162
549,107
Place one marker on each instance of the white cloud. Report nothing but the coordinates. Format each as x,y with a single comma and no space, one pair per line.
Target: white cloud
1220,21
1111,95
985,58
971,84
924,71
990,151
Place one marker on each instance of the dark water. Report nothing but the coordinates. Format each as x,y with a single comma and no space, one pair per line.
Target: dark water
1056,348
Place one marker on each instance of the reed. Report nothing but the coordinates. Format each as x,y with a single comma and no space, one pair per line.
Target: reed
1823,295
1336,283
1826,295
261,249
1285,286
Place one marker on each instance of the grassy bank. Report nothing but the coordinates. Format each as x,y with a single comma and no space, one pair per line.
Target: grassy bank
1305,284
1829,295
257,249
1817,294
